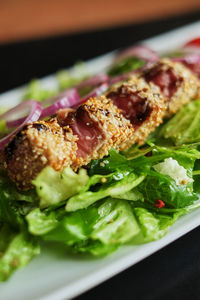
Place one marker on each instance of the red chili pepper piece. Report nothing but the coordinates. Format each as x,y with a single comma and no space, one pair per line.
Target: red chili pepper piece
194,42
159,204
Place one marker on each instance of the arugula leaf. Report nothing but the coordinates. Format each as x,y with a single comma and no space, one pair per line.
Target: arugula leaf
112,163
14,204
6,235
158,186
8,210
196,173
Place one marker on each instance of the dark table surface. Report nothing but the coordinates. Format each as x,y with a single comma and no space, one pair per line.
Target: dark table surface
171,273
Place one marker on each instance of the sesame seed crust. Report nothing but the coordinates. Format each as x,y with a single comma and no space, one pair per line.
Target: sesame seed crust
39,144
115,129
188,88
152,98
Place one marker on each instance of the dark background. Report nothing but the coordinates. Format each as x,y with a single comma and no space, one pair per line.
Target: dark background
22,61
171,273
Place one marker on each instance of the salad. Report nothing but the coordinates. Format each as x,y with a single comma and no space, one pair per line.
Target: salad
134,189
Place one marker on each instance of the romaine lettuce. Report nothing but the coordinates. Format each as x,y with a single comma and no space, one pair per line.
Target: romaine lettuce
83,200
17,251
99,229
35,91
184,127
153,225
126,65
53,187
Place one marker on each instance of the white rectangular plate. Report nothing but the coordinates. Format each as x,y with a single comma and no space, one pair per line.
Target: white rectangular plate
55,274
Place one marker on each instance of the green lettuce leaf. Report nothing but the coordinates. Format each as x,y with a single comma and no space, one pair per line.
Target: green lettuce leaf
40,222
35,91
158,186
126,65
16,252
153,225
99,229
132,195
10,191
112,163
67,80
184,127
53,187
196,176
14,204
83,200
6,235
3,128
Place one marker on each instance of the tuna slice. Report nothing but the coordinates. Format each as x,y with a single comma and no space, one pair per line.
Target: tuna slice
142,106
133,107
89,134
165,78
99,126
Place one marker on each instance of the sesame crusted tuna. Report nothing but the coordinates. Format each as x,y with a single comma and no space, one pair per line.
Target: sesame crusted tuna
142,105
99,126
127,114
37,145
175,81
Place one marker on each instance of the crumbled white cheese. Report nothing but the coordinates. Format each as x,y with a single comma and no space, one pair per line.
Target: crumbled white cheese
172,168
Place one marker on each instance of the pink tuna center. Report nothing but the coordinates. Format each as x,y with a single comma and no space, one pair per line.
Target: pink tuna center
132,106
88,132
167,80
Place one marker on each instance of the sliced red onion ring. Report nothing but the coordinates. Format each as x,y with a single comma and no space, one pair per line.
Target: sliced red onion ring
189,58
71,94
191,49
66,99
93,81
96,92
35,112
142,52
15,123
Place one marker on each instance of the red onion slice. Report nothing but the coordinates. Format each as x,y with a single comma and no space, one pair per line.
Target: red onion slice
142,52
66,99
71,94
35,112
189,58
93,81
191,49
96,92
15,123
